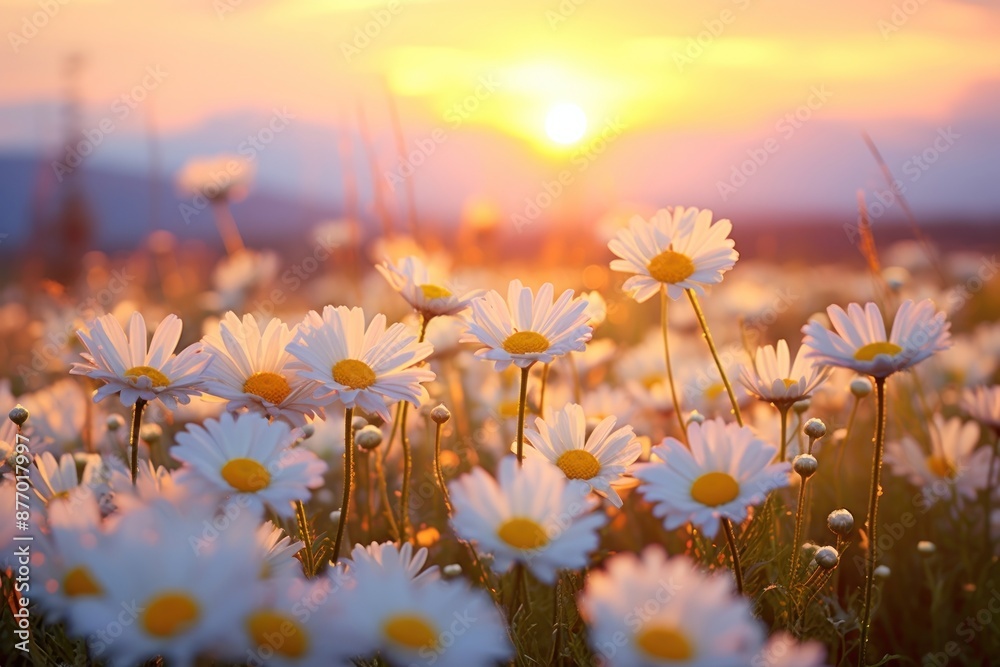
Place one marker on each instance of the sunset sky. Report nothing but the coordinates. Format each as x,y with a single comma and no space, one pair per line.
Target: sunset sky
677,96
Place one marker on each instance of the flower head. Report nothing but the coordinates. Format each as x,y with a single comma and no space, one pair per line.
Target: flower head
599,459
685,617
774,378
412,279
983,405
532,515
676,249
250,457
859,343
726,471
251,369
527,328
361,367
128,368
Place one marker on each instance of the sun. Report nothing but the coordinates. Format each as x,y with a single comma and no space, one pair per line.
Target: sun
565,123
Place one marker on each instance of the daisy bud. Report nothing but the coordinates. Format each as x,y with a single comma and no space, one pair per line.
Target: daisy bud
841,522
895,277
440,414
805,465
926,548
696,418
368,438
115,422
827,558
809,550
801,406
882,572
308,431
452,570
861,387
18,415
815,428
150,433
335,516
358,423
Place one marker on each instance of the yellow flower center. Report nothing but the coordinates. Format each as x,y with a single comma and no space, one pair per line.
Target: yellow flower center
941,466
246,475
170,614
578,464
353,374
789,382
664,642
278,631
272,387
155,376
411,631
434,292
713,391
522,533
871,350
714,488
670,267
525,342
78,582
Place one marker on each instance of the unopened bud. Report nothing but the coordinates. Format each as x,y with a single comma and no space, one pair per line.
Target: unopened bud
440,414
840,522
882,572
452,570
308,431
696,418
805,465
861,387
926,548
358,423
18,415
151,433
115,422
335,516
815,428
827,558
368,438
801,406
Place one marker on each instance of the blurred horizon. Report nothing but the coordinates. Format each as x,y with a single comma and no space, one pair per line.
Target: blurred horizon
442,110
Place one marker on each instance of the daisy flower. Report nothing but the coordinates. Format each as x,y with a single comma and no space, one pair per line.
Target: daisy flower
782,650
248,457
532,515
409,622
249,368
775,378
70,547
983,405
859,343
299,623
57,479
599,459
955,467
179,604
126,367
527,328
387,556
726,471
278,552
412,279
361,367
647,610
679,249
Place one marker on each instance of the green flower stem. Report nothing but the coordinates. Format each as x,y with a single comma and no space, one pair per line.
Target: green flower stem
522,404
665,327
735,551
133,439
715,354
872,519
345,506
